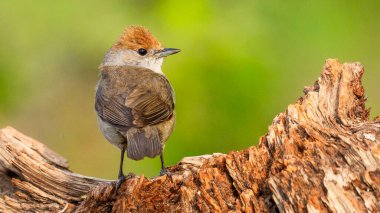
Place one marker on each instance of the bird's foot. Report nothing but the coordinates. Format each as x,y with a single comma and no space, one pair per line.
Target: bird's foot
120,180
165,171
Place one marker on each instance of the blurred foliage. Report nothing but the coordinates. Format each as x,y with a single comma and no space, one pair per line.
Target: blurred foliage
242,62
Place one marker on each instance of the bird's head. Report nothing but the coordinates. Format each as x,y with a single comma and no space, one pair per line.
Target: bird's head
137,47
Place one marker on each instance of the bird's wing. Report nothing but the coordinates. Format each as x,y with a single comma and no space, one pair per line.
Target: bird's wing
112,110
141,106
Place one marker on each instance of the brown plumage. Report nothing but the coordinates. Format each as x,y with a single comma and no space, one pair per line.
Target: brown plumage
139,104
134,100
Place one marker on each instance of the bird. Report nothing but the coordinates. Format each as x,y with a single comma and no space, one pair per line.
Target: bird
134,100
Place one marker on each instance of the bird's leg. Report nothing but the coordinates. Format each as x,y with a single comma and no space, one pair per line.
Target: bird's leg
163,171
121,176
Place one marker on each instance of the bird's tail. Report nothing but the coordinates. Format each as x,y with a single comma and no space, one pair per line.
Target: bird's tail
143,142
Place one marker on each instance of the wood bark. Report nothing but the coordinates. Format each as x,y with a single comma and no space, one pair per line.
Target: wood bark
321,155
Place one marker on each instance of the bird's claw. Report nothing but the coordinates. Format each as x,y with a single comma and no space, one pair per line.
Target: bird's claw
165,171
121,179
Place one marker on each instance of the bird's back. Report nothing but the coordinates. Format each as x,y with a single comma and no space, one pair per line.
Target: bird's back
137,105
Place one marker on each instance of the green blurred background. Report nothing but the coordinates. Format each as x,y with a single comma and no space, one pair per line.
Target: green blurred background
242,62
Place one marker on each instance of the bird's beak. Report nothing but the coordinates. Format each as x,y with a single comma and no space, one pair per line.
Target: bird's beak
166,52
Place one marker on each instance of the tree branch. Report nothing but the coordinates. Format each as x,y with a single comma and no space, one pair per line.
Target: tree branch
321,154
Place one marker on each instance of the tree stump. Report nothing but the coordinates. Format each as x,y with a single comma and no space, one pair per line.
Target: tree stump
321,155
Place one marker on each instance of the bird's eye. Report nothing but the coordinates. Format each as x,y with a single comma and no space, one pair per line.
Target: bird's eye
142,51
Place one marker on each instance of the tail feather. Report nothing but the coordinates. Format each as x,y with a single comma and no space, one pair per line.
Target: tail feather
143,142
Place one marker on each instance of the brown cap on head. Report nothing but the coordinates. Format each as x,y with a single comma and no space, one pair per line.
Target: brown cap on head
136,37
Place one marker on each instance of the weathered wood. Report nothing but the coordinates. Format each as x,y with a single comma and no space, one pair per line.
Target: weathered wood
34,178
321,155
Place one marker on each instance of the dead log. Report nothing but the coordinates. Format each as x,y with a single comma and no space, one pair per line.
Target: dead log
321,155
